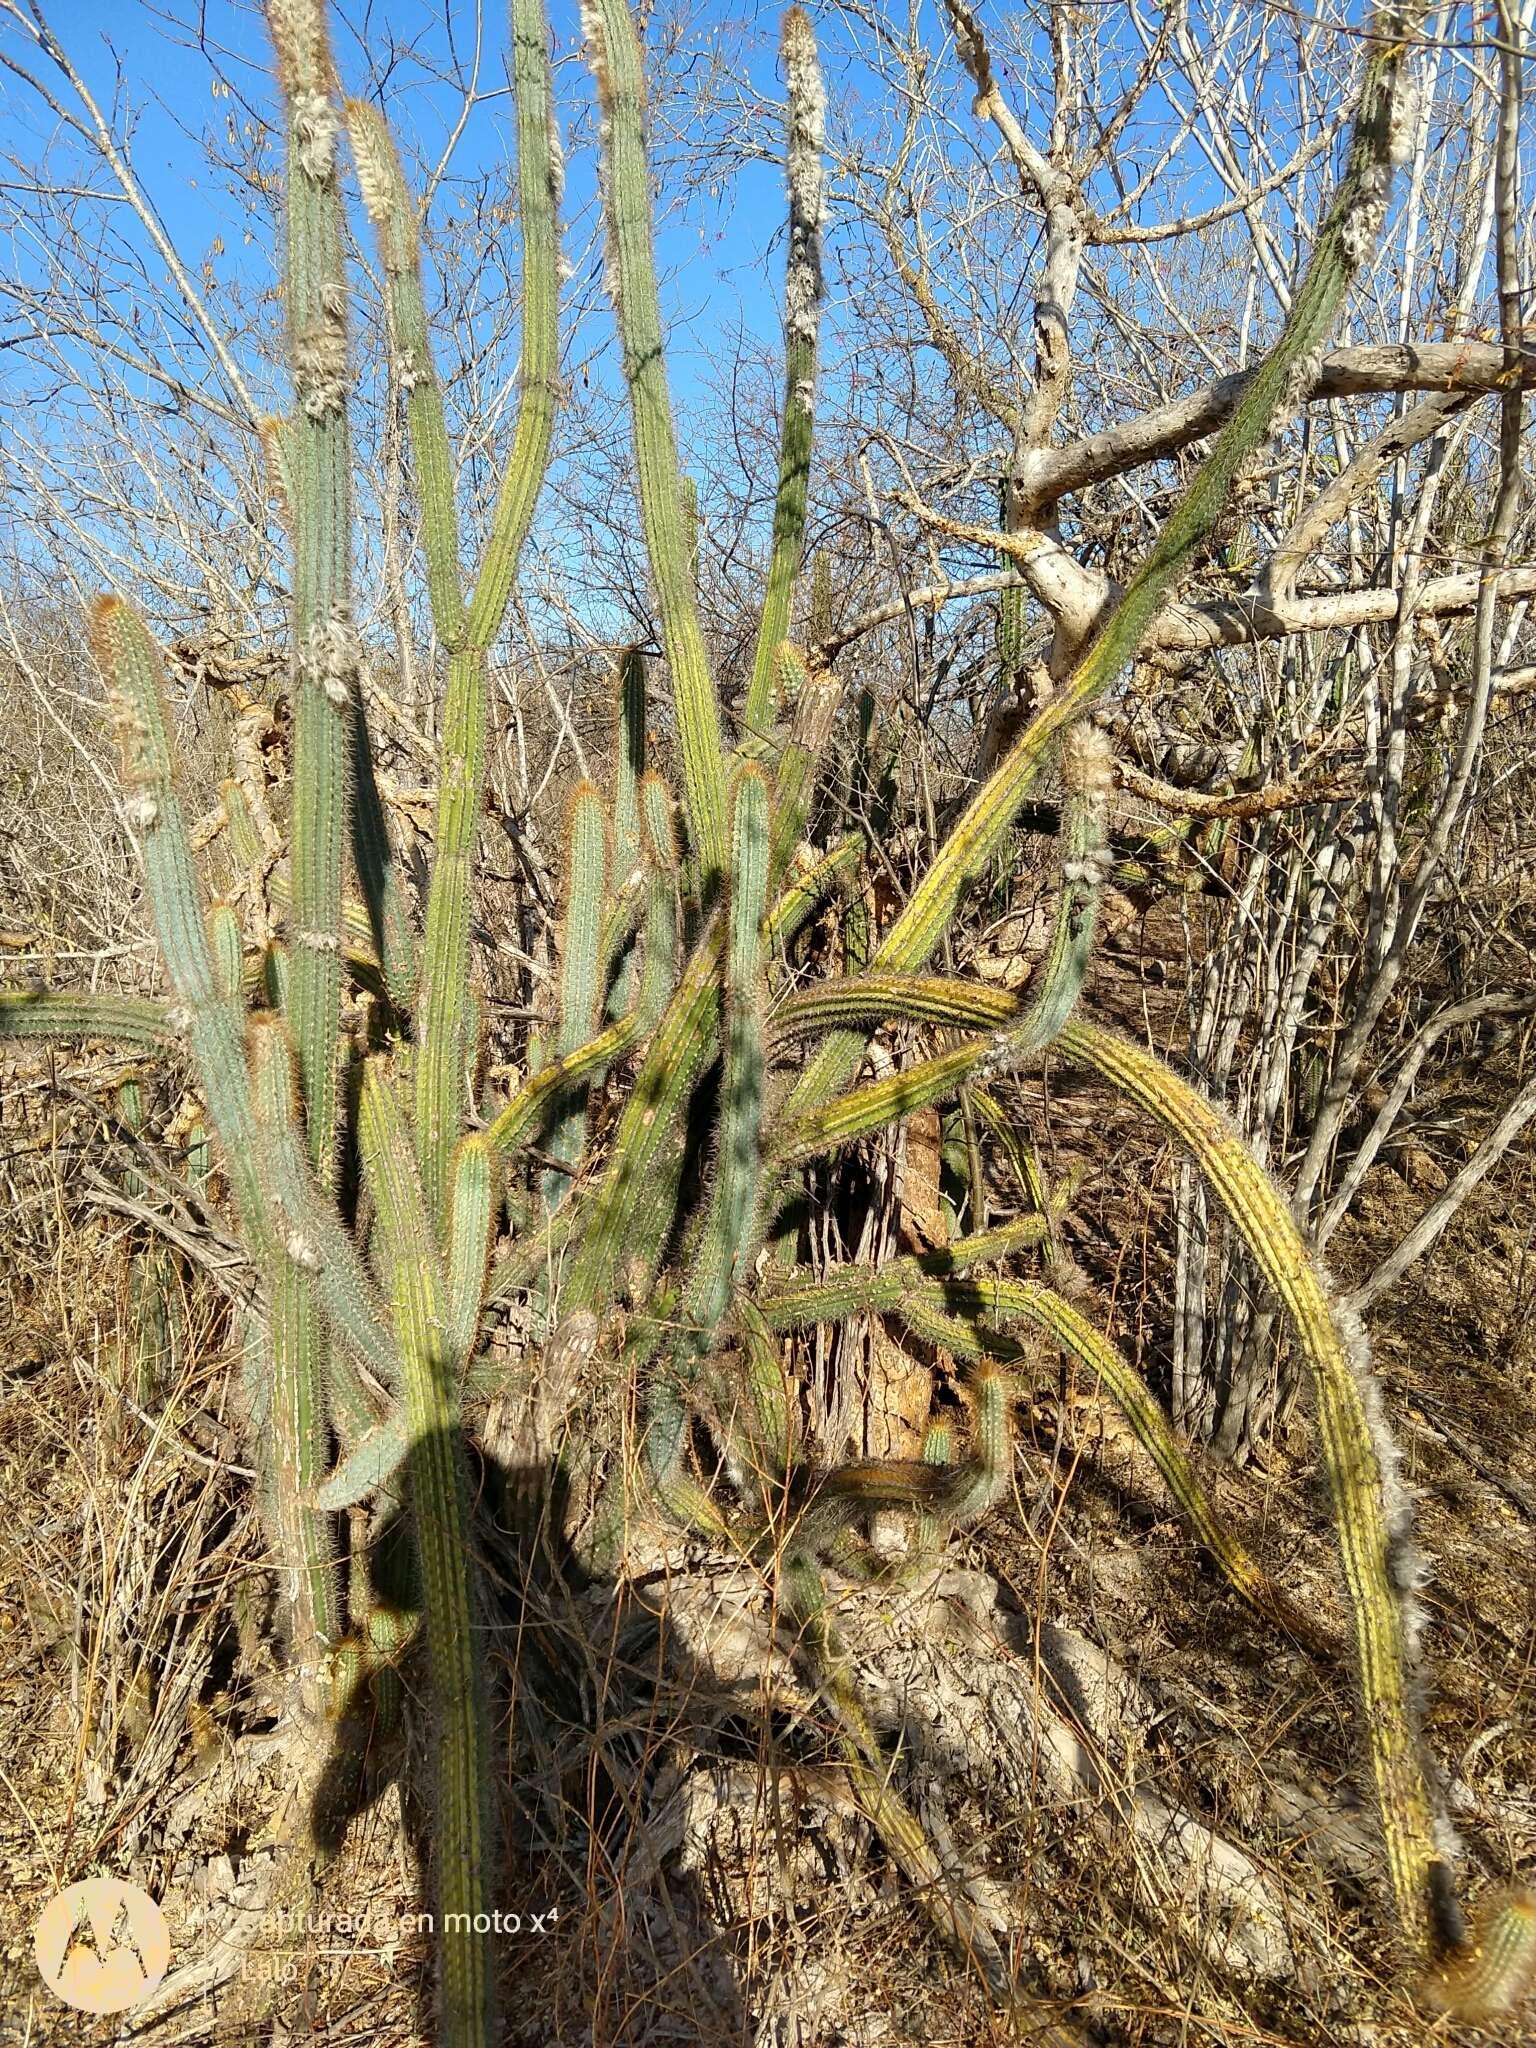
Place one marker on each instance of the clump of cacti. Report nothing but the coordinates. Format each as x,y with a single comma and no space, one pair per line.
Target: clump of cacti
676,917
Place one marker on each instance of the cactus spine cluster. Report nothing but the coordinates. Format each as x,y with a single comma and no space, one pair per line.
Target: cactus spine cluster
671,952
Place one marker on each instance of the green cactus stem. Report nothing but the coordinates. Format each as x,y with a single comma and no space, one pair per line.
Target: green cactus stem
628,847
879,1103
311,1233
471,1227
648,1130
391,208
442,1014
299,1361
537,1096
228,946
120,1020
131,668
388,921
731,1232
580,968
1087,766
808,891
440,1516
875,998
797,763
613,53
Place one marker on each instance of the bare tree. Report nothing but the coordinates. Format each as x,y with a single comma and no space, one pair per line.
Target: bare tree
1353,643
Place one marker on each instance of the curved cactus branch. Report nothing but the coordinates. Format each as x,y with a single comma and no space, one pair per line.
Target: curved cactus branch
1372,1515
876,998
537,1096
941,1307
125,1020
801,898
874,1106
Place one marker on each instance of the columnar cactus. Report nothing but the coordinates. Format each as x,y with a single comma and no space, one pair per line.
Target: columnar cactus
670,983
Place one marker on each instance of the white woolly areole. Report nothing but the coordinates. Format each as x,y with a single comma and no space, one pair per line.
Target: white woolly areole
1090,870
315,128
1298,386
302,1252
807,115
320,370
556,162
377,182
597,51
1405,1567
1405,119
1088,761
298,35
142,812
333,657
806,177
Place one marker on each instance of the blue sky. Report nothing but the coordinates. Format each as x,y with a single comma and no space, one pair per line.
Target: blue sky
722,260
721,263
722,271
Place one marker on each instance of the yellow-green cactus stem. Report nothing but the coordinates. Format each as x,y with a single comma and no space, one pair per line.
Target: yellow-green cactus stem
1372,1517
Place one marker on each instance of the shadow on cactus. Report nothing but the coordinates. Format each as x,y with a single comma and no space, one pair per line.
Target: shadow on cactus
651,1247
